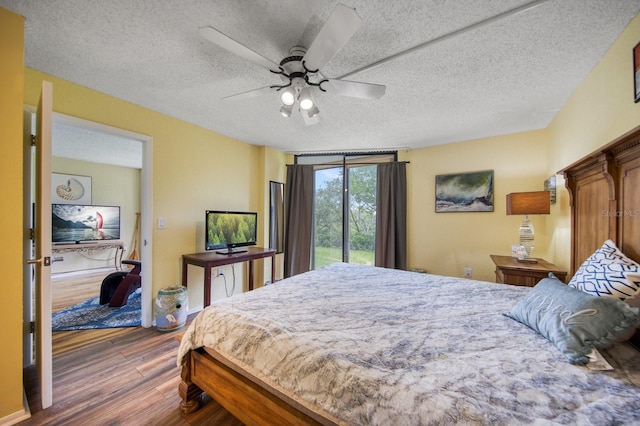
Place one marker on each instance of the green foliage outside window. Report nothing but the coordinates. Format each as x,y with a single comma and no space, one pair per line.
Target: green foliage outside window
362,217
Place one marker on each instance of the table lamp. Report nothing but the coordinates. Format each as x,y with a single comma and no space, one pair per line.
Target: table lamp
526,203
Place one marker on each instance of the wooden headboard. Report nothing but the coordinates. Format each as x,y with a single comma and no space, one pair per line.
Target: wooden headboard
604,191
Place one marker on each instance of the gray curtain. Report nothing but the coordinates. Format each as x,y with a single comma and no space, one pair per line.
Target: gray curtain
391,216
298,219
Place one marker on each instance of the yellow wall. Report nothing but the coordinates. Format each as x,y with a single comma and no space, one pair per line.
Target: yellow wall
446,243
11,89
193,170
599,111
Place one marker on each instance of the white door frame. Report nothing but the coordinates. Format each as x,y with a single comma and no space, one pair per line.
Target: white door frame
146,202
146,215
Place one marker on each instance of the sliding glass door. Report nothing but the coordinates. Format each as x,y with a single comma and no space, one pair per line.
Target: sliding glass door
344,207
327,217
361,214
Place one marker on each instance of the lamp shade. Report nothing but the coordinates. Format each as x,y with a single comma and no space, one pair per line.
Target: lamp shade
537,202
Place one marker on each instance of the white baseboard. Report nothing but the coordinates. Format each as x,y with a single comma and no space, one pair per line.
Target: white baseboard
70,274
194,310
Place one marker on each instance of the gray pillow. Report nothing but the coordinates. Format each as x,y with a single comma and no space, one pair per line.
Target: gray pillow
574,321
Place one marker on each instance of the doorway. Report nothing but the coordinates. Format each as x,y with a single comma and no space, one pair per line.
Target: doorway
106,143
89,141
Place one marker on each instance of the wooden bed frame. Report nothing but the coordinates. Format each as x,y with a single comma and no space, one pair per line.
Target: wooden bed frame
604,189
248,398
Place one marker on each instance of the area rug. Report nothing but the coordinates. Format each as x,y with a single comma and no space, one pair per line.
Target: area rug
90,315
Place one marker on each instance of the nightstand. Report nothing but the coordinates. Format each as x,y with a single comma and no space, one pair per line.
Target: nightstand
510,271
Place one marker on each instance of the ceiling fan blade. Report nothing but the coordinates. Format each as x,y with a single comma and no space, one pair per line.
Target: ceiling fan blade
339,28
217,38
250,94
354,89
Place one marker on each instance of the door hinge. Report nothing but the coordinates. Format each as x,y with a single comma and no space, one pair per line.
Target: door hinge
32,234
33,140
32,327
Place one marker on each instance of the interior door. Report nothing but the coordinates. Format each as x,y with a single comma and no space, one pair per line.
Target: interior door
42,242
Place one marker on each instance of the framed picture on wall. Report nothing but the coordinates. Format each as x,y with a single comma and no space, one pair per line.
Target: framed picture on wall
70,189
636,72
465,192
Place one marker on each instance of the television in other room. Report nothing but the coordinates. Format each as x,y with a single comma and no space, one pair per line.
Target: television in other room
230,232
74,223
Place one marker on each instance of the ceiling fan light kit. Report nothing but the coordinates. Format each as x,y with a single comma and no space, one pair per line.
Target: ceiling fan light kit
288,96
300,71
304,98
313,111
286,110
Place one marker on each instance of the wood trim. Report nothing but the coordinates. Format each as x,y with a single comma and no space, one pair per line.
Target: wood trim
619,163
612,163
245,396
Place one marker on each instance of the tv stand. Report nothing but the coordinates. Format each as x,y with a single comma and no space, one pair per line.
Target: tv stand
210,260
233,250
80,246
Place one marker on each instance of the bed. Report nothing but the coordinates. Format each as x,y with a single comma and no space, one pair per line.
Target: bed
395,347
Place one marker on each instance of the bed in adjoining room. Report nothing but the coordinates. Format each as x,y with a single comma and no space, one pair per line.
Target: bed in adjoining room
352,344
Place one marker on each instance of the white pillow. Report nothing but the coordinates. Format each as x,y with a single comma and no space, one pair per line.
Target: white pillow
609,273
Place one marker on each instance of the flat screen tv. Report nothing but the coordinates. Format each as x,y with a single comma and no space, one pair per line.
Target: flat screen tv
230,232
75,223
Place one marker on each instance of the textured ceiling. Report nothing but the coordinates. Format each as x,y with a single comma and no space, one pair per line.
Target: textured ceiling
512,74
81,143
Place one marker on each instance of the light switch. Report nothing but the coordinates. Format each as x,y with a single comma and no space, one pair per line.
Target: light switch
162,222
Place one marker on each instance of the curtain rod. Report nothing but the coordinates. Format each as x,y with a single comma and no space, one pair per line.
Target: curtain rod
349,164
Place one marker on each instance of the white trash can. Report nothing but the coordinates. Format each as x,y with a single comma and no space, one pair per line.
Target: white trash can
172,305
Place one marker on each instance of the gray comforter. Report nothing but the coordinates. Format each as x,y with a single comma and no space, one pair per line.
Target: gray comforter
386,347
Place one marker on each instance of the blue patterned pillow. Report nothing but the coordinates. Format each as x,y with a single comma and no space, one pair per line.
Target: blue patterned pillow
574,321
609,273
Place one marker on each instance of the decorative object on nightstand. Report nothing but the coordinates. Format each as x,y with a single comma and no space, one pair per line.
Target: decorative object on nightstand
510,271
526,203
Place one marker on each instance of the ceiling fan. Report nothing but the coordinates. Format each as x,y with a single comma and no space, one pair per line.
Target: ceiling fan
300,71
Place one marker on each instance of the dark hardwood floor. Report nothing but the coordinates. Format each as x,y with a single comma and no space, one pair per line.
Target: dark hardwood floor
125,376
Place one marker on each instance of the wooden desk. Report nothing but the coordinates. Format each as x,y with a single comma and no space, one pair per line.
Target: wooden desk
510,271
211,259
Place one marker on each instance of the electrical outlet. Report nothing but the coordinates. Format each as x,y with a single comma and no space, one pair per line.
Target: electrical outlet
220,272
467,272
